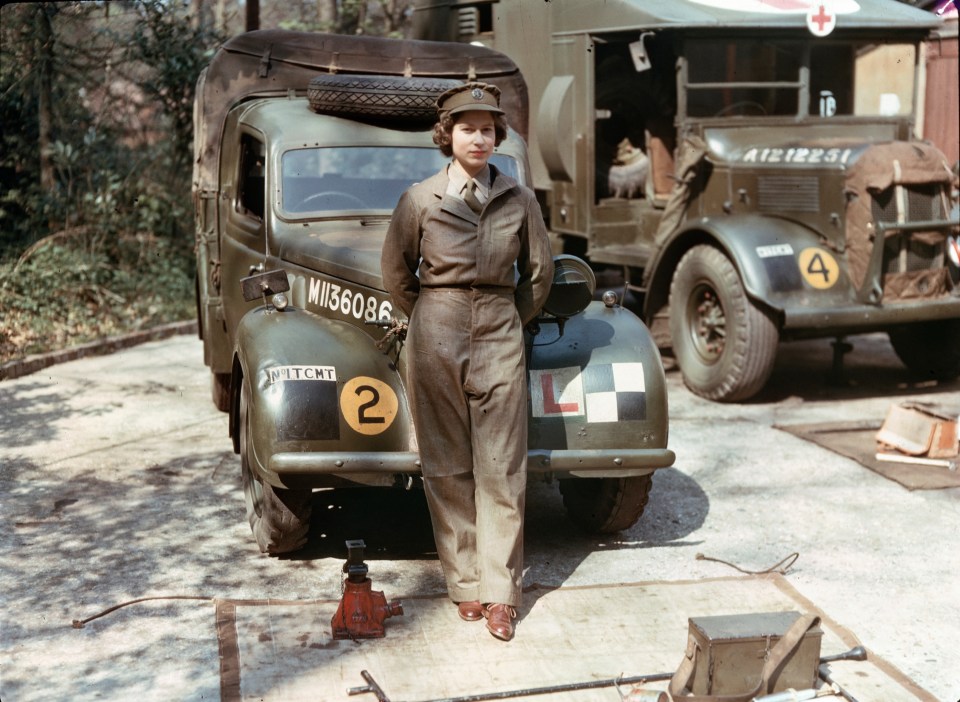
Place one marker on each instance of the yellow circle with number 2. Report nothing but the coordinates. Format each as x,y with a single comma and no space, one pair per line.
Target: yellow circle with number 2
819,268
369,405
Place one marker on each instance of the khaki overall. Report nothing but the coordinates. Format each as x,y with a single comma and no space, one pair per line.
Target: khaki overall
466,368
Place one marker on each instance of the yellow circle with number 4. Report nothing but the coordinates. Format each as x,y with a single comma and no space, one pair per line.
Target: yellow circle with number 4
369,405
819,268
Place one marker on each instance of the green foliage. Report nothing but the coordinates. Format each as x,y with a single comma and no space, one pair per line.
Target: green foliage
95,204
82,285
375,17
108,247
176,52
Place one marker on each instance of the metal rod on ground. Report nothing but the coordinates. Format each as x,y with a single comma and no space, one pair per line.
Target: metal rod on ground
827,678
858,653
792,695
509,694
371,686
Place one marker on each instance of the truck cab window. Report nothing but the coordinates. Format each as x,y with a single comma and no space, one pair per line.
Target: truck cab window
252,182
743,77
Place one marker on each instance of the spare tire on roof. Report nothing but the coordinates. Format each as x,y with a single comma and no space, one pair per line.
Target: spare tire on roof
386,97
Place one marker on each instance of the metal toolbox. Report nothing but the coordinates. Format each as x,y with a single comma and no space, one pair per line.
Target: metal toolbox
732,650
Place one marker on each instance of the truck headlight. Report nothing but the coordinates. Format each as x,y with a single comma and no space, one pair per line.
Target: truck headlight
573,286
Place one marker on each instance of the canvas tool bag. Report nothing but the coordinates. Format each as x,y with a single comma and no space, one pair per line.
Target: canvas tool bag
788,657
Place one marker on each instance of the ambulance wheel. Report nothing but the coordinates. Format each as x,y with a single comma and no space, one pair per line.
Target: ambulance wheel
278,518
724,344
931,349
605,505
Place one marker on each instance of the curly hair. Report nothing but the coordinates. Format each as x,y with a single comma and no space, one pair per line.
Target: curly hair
443,130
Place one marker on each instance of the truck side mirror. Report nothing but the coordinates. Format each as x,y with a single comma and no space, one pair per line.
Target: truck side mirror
264,284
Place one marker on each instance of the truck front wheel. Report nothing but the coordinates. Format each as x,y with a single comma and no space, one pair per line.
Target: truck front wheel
724,344
931,348
220,391
605,505
279,518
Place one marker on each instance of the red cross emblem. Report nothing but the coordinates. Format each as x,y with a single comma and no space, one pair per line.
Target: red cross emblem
820,21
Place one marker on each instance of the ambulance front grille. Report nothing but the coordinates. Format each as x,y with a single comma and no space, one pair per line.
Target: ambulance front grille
788,193
920,203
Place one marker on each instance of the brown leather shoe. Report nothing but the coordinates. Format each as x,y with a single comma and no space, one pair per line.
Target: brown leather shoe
500,620
470,611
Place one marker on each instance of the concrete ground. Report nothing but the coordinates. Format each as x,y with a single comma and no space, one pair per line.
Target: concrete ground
118,482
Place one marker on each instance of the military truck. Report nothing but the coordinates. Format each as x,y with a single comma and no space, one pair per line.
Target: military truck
750,166
303,144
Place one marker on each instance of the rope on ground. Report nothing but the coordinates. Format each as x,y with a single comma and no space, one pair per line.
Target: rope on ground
781,567
80,623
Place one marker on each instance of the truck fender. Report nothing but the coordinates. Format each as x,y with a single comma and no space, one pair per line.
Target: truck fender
314,384
768,252
600,385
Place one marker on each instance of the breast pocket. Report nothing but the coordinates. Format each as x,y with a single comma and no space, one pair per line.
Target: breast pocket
505,221
500,244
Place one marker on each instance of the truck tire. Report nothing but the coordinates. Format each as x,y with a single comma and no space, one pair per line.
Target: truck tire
220,391
279,519
605,505
724,344
387,97
931,349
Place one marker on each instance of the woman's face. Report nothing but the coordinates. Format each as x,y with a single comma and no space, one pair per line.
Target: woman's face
472,140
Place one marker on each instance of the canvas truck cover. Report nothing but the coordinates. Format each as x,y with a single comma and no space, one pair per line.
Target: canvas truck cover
878,169
579,16
274,62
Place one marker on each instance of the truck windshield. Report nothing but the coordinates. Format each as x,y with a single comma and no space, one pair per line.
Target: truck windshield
316,180
759,77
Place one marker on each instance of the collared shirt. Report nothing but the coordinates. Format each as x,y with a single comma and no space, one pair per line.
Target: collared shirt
459,180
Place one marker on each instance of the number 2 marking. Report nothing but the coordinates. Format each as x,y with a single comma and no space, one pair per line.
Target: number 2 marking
368,405
362,417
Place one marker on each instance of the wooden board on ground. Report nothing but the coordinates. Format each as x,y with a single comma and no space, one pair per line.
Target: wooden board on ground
858,441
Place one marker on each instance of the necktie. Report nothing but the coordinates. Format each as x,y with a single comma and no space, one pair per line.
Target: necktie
470,196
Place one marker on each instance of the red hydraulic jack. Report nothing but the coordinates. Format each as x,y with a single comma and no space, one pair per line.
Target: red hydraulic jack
362,610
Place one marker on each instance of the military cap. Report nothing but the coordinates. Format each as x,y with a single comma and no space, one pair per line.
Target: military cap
470,96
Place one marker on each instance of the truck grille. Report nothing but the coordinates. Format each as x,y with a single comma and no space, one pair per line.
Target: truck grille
923,204
788,194
901,255
914,263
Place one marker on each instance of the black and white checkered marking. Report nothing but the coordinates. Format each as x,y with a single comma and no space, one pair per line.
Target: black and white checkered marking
607,392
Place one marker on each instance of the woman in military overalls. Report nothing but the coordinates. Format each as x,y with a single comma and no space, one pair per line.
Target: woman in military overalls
468,260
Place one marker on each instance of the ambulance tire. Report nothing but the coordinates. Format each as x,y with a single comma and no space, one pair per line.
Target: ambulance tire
724,344
605,505
930,349
279,519
384,97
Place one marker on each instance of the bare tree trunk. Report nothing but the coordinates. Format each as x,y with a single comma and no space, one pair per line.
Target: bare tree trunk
361,17
327,13
220,18
394,11
196,13
44,95
253,15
